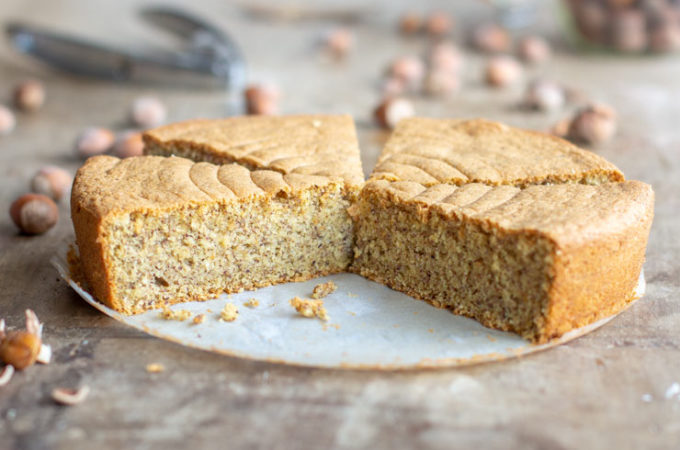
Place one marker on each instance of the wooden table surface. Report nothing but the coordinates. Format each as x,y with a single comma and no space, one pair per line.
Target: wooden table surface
605,390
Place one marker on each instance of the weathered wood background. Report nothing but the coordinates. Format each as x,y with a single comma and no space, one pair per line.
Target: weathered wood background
605,390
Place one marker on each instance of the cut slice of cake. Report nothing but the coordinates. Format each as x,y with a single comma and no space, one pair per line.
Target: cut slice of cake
434,151
538,261
152,231
324,145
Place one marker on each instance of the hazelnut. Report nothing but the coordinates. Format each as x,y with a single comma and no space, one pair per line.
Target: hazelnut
29,95
665,37
51,181
410,23
148,112
7,120
393,87
440,82
34,213
438,23
409,69
534,49
561,128
445,56
94,141
491,38
628,31
339,42
544,96
392,110
593,124
502,71
262,99
591,19
20,349
129,143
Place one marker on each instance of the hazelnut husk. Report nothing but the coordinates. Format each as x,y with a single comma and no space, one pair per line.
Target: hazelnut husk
51,181
29,96
34,213
20,349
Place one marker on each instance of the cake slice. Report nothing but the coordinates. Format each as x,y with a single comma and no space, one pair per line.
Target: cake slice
538,261
434,151
153,231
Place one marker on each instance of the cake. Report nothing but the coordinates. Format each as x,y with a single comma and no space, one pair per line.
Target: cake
522,241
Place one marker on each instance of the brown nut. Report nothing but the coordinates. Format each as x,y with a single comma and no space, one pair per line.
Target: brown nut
628,31
339,42
544,95
409,69
491,38
439,23
410,23
128,144
561,128
445,56
593,124
392,110
53,182
29,95
591,18
94,141
534,49
393,87
7,120
34,213
262,99
20,349
148,112
441,83
502,71
665,37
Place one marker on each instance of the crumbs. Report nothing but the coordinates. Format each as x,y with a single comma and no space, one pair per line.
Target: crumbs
309,308
199,319
180,314
251,303
155,368
229,313
323,289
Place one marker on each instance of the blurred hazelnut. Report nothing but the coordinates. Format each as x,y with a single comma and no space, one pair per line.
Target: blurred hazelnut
29,95
51,181
593,124
628,31
544,96
534,49
410,23
561,128
148,112
34,213
339,42
94,141
665,37
262,99
409,69
438,23
502,71
7,120
491,38
128,144
392,110
20,349
441,82
445,56
393,87
591,18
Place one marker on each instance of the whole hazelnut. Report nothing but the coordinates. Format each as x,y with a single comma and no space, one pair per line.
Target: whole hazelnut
339,42
591,19
593,124
29,95
561,128
410,23
391,110
446,57
491,38
7,120
94,141
665,37
148,112
544,96
393,87
20,349
441,83
34,213
51,181
438,23
628,31
502,71
409,69
128,144
534,49
262,99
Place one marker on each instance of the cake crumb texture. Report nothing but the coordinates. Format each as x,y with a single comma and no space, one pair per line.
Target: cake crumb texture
229,313
321,290
309,308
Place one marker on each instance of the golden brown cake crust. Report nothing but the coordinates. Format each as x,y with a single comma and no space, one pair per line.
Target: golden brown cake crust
433,151
323,145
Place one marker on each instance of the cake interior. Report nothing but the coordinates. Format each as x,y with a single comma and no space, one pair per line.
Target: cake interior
199,251
499,278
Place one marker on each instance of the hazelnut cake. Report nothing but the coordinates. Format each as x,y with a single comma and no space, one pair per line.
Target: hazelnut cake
521,231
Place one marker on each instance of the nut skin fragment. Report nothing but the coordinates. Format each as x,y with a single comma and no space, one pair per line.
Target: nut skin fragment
229,313
323,289
20,349
70,397
309,308
34,213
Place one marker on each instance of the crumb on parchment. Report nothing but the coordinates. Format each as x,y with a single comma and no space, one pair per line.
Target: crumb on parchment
323,289
180,314
309,308
252,303
155,367
199,319
229,313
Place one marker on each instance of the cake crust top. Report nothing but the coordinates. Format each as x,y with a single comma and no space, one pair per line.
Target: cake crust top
106,184
432,151
324,145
